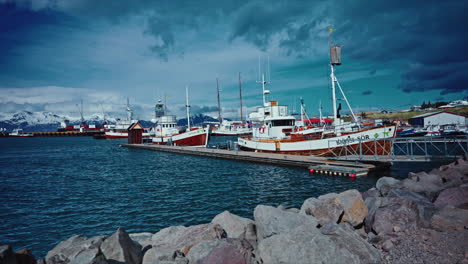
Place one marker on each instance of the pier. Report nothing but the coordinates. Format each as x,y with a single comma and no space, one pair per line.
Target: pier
68,134
313,163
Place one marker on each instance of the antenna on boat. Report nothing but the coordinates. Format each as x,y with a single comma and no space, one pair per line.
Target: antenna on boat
240,96
187,105
263,82
320,113
220,119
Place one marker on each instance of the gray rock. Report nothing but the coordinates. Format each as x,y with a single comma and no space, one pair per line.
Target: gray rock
426,177
235,226
401,213
120,248
221,251
324,210
355,210
425,208
182,239
450,218
385,184
372,192
305,245
90,256
456,197
271,221
142,239
347,206
421,186
6,255
347,239
67,250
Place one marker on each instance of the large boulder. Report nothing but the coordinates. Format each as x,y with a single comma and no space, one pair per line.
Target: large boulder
235,226
421,186
227,251
426,177
402,214
324,210
425,208
181,239
303,244
355,210
143,240
271,221
76,247
309,245
6,255
450,218
120,248
24,256
347,206
162,256
456,197
385,184
346,238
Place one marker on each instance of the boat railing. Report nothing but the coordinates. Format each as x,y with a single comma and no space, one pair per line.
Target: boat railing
395,149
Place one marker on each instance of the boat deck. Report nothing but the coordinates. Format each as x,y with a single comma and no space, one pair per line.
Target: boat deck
344,167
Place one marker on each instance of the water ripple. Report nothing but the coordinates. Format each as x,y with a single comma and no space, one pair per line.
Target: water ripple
53,188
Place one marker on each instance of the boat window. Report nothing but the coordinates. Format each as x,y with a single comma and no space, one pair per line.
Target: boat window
284,122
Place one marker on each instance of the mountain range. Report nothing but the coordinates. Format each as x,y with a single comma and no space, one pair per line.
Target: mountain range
48,121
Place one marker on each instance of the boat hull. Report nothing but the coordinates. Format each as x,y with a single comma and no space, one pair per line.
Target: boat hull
196,137
368,142
117,135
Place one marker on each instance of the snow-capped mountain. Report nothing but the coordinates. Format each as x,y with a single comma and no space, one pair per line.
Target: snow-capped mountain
42,121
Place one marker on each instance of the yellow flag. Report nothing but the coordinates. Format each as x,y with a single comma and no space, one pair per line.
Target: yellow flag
330,29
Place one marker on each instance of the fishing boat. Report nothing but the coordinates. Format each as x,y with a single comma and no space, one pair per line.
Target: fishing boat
230,128
19,133
119,129
167,132
275,130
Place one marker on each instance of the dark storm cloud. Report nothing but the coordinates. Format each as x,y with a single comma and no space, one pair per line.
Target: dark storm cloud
428,37
196,109
368,92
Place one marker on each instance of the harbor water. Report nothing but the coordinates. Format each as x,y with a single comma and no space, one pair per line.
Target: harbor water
53,188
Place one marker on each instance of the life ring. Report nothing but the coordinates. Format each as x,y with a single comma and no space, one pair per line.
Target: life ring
262,130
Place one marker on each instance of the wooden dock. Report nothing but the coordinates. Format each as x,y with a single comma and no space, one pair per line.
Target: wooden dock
345,168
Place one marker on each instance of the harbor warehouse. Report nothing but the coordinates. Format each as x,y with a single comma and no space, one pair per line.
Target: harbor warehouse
437,118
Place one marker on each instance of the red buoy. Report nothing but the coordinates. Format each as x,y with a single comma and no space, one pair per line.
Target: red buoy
352,175
311,171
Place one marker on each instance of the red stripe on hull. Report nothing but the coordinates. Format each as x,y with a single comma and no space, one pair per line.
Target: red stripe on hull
382,147
196,140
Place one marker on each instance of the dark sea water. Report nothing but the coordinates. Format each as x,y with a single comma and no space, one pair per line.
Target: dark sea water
53,188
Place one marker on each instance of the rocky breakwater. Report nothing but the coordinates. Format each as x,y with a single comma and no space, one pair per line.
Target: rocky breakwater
422,219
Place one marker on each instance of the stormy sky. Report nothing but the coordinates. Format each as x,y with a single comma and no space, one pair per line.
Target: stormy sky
54,53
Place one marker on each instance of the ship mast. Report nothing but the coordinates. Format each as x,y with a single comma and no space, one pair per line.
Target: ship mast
220,119
129,111
187,105
335,59
263,81
332,76
240,96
